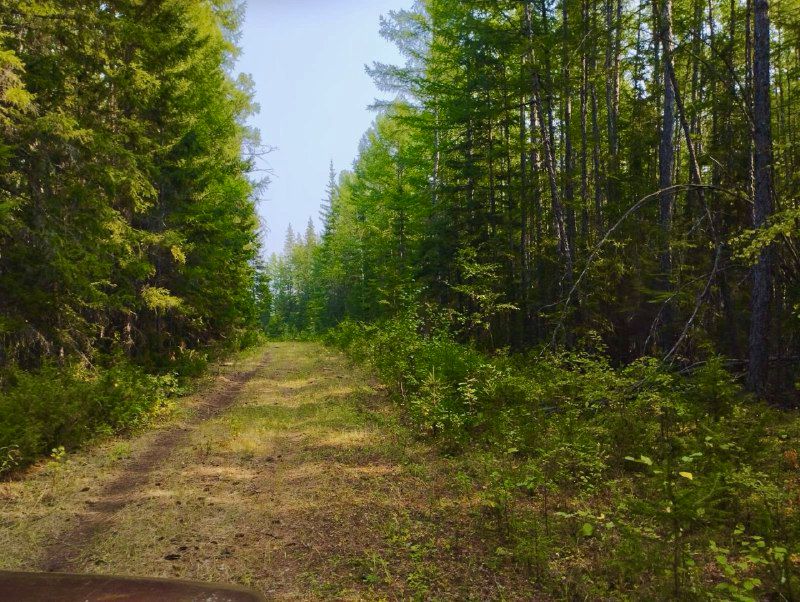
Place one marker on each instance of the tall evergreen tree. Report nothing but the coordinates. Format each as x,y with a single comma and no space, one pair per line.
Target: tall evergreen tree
485,193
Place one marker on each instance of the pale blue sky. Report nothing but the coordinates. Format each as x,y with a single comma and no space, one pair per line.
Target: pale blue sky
307,58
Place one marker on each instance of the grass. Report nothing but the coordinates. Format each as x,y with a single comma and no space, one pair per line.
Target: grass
310,487
41,502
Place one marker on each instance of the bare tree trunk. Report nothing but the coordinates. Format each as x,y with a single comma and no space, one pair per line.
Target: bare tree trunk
564,250
558,209
536,201
762,200
748,89
524,243
665,165
728,308
613,26
569,189
597,180
615,98
584,138
492,199
608,66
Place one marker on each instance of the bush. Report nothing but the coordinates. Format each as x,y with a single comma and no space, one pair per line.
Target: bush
64,406
667,486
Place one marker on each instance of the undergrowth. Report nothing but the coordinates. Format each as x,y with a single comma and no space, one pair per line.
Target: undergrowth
602,482
62,406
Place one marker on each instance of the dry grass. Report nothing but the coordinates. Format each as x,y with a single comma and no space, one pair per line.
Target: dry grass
308,488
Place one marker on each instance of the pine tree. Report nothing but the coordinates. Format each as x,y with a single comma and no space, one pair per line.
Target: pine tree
327,205
627,223
762,199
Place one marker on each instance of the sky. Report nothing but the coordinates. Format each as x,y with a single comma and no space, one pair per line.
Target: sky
307,60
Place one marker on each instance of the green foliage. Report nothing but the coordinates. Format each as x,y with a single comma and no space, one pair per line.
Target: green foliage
62,407
591,457
127,204
514,182
127,220
629,472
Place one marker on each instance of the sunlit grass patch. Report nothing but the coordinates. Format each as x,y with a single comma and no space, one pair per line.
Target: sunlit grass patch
348,439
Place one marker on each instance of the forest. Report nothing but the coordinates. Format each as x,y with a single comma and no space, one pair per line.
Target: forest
567,257
571,242
128,230
571,176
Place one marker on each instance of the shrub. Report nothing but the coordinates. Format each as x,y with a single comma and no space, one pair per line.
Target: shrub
667,486
64,406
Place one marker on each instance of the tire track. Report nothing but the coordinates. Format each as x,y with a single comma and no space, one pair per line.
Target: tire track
64,553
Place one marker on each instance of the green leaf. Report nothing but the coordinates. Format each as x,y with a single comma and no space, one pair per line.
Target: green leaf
641,460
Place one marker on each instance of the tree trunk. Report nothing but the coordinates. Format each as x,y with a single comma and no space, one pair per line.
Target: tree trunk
545,132
569,189
665,164
524,243
613,26
584,138
762,200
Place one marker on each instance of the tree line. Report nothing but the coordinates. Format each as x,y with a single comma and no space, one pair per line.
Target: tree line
127,221
604,174
129,239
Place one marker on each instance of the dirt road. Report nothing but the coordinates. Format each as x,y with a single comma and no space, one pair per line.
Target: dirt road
290,474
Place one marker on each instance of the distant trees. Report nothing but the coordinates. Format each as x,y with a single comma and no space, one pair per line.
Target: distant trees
608,163
290,277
